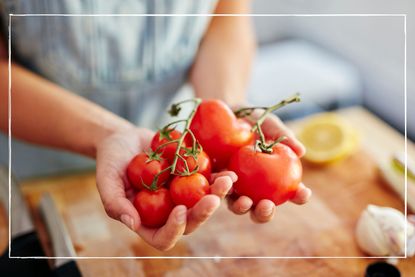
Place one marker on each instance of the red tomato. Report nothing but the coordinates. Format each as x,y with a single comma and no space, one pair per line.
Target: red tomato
169,150
202,161
274,176
219,131
154,207
143,170
188,190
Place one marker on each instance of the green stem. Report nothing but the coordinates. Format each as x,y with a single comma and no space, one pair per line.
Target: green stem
186,172
194,100
153,185
262,144
261,133
165,144
280,139
247,111
197,102
174,122
261,119
196,147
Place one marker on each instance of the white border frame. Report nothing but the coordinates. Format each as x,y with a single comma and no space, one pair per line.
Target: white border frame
215,258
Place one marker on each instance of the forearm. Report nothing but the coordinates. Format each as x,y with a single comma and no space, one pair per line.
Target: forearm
223,63
46,114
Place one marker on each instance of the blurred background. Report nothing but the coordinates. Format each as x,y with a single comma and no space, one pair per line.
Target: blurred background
336,61
333,62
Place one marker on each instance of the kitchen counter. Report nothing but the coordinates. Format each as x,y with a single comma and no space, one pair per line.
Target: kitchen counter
324,227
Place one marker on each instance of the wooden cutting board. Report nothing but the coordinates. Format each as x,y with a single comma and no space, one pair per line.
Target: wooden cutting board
322,227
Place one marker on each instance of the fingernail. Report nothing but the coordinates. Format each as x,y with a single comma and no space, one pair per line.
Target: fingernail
244,208
228,187
233,177
309,193
303,150
268,211
181,215
128,221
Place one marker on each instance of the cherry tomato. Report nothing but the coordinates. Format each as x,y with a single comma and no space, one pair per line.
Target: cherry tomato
219,132
188,190
142,169
162,137
275,176
202,161
154,207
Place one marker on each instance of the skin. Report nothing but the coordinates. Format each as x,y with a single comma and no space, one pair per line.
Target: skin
225,74
220,70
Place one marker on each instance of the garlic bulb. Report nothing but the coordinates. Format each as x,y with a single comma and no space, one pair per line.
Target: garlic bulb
380,231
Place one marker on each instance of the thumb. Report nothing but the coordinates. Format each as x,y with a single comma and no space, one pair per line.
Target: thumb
123,210
118,207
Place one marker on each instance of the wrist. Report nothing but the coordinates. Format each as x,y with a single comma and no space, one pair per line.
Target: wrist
235,100
99,131
232,96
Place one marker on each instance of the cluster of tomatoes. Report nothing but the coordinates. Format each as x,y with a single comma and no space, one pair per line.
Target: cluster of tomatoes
177,169
160,188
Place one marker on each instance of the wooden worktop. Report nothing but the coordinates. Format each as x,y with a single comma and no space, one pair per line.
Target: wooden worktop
322,227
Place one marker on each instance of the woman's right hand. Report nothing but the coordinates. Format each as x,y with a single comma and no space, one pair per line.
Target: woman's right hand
113,155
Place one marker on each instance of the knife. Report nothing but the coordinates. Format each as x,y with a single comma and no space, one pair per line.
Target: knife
62,245
25,241
61,241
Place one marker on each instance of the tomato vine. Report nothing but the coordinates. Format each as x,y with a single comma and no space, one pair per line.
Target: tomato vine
262,143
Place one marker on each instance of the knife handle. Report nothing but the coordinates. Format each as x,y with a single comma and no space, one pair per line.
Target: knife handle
59,235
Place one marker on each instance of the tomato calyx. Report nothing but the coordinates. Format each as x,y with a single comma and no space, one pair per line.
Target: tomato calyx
261,144
153,186
267,147
175,109
153,156
165,133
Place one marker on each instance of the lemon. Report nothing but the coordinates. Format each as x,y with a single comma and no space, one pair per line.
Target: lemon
328,138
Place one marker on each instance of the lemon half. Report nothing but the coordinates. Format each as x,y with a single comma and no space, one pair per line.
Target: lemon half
328,138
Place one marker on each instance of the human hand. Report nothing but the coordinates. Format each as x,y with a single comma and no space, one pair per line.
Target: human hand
273,128
113,155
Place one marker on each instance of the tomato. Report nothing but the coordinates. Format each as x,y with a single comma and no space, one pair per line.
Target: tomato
154,207
202,161
219,132
142,169
162,137
188,190
275,176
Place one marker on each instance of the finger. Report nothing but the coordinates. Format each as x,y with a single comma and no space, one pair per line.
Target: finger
201,212
116,205
221,186
166,237
274,128
263,212
302,195
228,173
130,193
241,205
